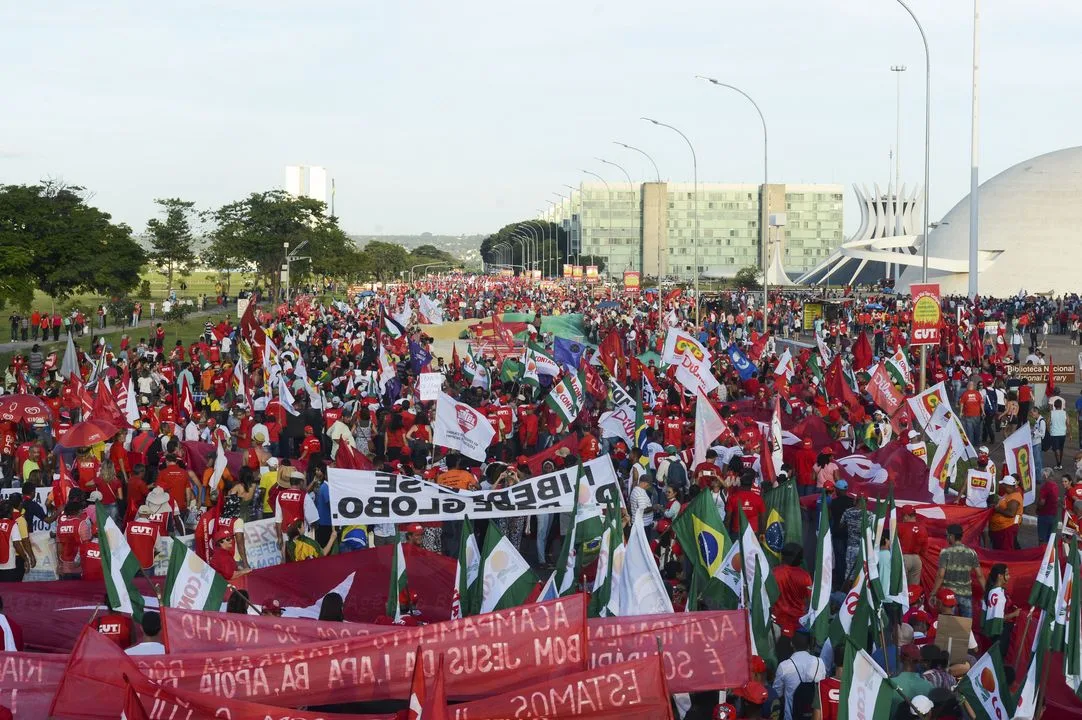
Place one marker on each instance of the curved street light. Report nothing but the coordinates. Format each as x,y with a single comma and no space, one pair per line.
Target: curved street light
695,180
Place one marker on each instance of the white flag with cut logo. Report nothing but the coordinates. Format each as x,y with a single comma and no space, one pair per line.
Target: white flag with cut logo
460,427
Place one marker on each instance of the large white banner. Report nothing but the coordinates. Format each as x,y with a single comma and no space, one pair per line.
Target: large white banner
691,359
362,497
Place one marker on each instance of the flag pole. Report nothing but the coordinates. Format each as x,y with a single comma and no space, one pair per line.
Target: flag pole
1025,632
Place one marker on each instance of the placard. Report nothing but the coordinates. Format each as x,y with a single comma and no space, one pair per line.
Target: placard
576,272
927,314
952,634
632,282
812,312
364,497
568,271
591,274
429,386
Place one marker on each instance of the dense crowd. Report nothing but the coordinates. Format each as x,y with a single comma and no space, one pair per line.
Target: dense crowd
304,386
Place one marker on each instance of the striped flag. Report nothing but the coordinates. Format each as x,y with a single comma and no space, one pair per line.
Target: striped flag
865,689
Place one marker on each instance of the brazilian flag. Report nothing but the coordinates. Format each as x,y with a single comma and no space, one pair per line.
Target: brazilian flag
511,370
699,526
783,522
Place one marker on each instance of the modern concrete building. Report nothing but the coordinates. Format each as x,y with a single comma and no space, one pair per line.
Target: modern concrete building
307,181
658,220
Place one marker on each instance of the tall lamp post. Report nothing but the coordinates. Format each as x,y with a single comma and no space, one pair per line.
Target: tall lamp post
608,208
927,155
764,237
895,216
695,180
657,179
550,257
571,218
570,198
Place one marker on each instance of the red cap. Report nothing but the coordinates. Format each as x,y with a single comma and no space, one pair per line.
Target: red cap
911,652
758,665
414,528
753,692
663,526
908,510
915,592
1075,492
946,597
222,534
522,460
725,711
829,486
806,442
308,429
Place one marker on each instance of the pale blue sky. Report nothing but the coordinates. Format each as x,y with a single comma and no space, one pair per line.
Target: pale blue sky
459,117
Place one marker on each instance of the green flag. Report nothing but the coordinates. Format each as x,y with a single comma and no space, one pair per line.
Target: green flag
191,583
506,579
761,630
603,600
865,689
783,524
398,582
700,526
119,567
985,688
566,397
1043,593
464,600
818,617
588,522
511,370
1072,649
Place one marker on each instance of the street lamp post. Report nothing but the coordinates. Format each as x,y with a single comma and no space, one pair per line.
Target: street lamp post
895,216
608,208
927,155
764,237
421,265
570,225
631,219
695,180
974,192
657,179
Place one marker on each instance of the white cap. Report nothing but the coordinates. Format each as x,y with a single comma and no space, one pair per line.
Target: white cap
1008,480
272,462
983,449
922,704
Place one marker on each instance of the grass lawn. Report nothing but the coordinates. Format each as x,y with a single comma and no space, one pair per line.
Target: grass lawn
198,283
186,330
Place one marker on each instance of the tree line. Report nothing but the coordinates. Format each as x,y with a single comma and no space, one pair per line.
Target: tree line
54,240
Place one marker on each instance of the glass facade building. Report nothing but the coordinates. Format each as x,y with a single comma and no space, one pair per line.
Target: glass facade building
658,221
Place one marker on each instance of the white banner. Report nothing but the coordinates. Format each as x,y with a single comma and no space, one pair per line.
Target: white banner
459,427
361,497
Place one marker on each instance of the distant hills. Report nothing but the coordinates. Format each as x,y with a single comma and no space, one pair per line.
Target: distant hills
466,247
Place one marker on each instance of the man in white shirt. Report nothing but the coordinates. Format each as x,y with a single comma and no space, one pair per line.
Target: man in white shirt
152,630
801,667
640,502
191,430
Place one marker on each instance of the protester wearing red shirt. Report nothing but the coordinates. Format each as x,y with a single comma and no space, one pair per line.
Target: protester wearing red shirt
141,535
289,506
588,446
913,538
85,469
90,558
747,500
310,445
672,429
527,429
794,588
803,462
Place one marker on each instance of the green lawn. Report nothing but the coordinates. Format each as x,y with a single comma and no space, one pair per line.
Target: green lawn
186,330
198,283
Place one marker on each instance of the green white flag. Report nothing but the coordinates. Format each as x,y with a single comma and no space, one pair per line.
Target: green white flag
762,636
895,588
898,368
588,522
190,583
865,691
985,688
818,617
506,579
1061,613
464,599
119,566
398,582
1027,695
546,364
753,559
528,368
1046,586
605,595
1072,647
566,397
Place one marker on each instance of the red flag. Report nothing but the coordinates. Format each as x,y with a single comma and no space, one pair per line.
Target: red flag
22,387
435,705
976,349
766,460
611,354
1050,385
862,352
670,297
755,351
415,710
595,385
78,392
185,403
133,709
105,407
348,458
62,485
456,363
836,386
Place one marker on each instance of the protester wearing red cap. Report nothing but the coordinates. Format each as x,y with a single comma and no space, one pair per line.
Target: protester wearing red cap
311,445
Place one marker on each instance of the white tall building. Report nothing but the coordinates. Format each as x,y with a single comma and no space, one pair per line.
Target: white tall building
307,181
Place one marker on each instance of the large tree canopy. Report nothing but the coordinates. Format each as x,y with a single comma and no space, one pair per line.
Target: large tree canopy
171,241
252,234
51,239
551,244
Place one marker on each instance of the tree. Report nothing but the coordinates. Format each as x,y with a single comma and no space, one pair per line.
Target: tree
171,240
550,258
432,254
748,277
52,240
383,260
252,234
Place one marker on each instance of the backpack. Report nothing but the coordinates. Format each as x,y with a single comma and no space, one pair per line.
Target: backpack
803,696
676,476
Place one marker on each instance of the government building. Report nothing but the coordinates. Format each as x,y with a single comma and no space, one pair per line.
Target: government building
652,226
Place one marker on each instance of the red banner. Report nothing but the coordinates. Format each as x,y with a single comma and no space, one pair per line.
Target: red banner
94,687
927,314
483,655
28,682
702,650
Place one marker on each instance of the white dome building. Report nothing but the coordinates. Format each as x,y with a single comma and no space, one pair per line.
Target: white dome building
1030,232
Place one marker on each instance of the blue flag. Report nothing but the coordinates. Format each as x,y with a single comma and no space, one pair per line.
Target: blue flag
419,357
567,353
741,363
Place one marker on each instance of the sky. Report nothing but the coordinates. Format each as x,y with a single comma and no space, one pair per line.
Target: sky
461,117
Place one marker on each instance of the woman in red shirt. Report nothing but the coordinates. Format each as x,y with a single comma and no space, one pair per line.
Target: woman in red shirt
419,439
394,438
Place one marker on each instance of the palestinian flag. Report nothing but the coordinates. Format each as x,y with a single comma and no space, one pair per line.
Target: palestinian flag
119,567
505,577
398,583
469,563
191,583
985,687
391,326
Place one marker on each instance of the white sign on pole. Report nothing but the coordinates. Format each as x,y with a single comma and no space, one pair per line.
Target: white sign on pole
430,385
